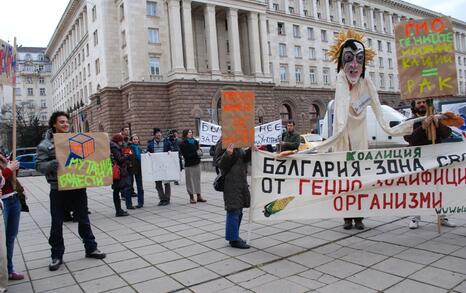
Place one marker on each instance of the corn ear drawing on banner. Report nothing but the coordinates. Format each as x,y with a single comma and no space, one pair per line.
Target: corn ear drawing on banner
277,205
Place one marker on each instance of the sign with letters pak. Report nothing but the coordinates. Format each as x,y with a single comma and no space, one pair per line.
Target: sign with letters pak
209,133
425,53
83,160
425,180
160,166
238,118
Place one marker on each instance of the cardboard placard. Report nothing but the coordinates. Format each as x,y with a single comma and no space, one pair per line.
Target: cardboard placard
268,133
7,64
426,58
83,160
160,166
238,118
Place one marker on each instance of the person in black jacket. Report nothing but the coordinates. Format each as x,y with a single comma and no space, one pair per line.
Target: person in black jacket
191,152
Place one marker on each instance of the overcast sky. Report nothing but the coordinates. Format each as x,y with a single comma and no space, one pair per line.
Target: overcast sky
33,21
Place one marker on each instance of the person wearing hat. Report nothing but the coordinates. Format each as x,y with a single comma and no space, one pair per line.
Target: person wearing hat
159,145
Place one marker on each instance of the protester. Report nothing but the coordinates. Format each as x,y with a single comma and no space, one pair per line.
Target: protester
123,183
3,257
47,164
175,139
125,133
11,212
157,145
135,168
419,137
189,148
232,163
290,139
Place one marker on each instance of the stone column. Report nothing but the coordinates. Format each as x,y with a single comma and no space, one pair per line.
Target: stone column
270,4
211,36
371,18
361,15
350,13
188,36
390,23
233,38
381,22
463,42
339,16
301,7
327,10
314,8
176,43
286,4
254,44
264,44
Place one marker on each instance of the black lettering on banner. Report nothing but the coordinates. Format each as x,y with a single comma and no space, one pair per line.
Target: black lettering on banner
293,167
440,159
380,168
317,169
268,168
406,166
279,180
303,164
417,165
342,171
329,166
417,152
267,185
392,166
281,168
356,169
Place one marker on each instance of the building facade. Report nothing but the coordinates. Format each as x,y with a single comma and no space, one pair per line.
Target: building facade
164,63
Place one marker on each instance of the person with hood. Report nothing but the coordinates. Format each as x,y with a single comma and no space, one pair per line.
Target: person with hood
123,183
47,164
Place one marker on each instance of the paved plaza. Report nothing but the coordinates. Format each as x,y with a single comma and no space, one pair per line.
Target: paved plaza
181,248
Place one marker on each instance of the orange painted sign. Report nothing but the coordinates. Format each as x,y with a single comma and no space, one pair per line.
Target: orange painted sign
426,58
238,118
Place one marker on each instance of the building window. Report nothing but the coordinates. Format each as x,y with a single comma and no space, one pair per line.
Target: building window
389,47
281,28
88,69
380,62
283,72
369,42
41,80
379,45
276,7
87,50
43,103
271,69
151,8
298,71
97,66
122,11
84,73
297,52
312,75
285,113
270,48
282,50
41,57
96,38
312,53
382,80
94,13
41,67
310,33
29,80
154,36
30,91
123,38
391,81
372,76
18,91
323,35
296,31
390,63
42,91
154,65
325,75
325,54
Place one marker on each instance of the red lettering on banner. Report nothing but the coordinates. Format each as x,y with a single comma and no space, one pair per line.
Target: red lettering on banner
330,190
414,202
426,177
461,177
437,204
360,197
414,179
425,199
375,202
438,176
350,200
338,200
388,200
340,187
301,181
315,186
451,181
402,203
354,183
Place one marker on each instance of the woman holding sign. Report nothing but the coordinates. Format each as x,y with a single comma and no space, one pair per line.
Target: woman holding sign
191,152
123,183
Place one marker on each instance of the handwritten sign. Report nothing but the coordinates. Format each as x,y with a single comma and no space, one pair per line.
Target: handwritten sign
7,64
209,133
269,133
426,58
83,159
425,180
160,167
238,118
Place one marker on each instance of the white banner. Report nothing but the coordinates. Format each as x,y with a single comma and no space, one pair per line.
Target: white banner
425,180
160,166
209,133
269,133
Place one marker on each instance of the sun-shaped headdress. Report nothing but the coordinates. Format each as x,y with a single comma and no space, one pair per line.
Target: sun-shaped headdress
343,36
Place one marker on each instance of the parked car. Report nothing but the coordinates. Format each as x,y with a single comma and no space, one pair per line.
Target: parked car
24,151
27,161
309,140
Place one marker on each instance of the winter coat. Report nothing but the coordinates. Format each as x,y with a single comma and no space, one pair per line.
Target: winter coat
135,162
236,194
45,158
189,152
419,135
123,162
151,145
290,141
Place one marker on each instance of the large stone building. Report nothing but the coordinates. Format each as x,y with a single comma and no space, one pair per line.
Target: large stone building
164,63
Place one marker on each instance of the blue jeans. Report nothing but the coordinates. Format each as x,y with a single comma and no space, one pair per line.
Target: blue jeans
138,180
232,224
11,215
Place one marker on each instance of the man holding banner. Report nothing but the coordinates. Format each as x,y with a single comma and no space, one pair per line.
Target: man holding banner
47,164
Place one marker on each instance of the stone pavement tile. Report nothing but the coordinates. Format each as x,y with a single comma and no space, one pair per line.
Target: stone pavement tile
228,250
138,243
140,275
279,286
327,223
160,285
110,248
177,243
154,232
342,252
149,249
308,283
327,249
385,248
47,284
103,284
413,286
119,256
41,273
257,257
308,242
92,273
345,287
285,236
227,266
20,288
191,250
374,279
330,235
340,269
364,258
194,276
283,268
84,263
460,253
190,232
235,289
267,231
70,289
288,225
307,230
398,267
451,263
165,238
128,265
311,259
245,276
213,286
419,256
208,257
439,247
285,249
36,255
161,257
264,242
177,266
438,277
205,236
461,287
215,243
38,263
126,289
